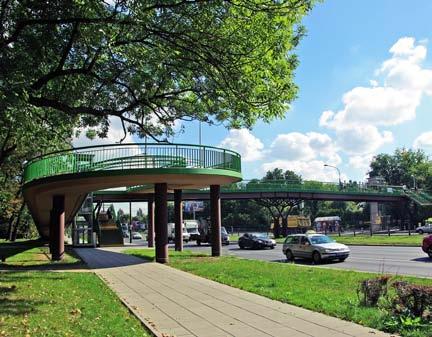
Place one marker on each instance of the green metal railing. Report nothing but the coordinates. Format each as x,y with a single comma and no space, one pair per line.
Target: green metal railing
131,156
310,186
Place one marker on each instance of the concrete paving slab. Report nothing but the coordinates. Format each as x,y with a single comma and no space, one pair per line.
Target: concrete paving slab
176,303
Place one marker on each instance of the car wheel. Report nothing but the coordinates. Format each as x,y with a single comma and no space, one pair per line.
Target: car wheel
420,231
272,247
316,257
430,252
342,259
289,255
198,242
241,246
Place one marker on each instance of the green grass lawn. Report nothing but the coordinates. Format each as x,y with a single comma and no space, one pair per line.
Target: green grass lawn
332,292
414,240
57,304
37,256
43,303
395,240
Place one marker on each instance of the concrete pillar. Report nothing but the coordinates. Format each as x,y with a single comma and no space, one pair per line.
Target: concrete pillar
151,221
374,217
57,225
178,215
161,222
215,207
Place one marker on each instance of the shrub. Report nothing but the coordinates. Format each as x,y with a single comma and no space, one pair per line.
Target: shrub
412,299
371,290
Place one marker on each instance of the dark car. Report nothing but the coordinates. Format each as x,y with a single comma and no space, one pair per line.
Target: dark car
427,245
256,241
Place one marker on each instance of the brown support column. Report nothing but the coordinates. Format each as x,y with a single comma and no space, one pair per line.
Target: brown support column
57,225
151,219
178,215
161,222
215,206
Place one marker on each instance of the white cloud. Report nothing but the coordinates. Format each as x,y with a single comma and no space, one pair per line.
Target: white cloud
362,140
304,147
424,141
367,108
360,162
115,134
309,170
245,143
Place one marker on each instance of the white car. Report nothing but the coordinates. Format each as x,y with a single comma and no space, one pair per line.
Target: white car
136,236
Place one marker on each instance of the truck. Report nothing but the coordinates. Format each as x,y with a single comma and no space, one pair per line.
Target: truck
192,228
171,232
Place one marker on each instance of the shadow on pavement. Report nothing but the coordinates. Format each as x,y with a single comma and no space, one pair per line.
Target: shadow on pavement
96,258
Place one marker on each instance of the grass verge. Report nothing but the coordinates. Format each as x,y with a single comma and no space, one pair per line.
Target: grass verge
36,256
58,303
62,304
376,240
332,292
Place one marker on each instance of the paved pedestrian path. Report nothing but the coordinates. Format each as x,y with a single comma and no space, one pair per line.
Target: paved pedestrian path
176,303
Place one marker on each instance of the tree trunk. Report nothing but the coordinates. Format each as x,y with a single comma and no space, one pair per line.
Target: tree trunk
284,226
276,227
17,223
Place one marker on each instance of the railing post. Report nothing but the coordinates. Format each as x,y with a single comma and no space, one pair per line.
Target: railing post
224,159
204,157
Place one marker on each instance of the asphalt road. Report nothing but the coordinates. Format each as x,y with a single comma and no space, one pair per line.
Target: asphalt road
394,260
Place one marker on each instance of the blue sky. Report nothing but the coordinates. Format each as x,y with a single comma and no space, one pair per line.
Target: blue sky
368,64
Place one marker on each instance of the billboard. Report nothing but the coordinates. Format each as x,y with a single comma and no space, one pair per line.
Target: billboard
193,206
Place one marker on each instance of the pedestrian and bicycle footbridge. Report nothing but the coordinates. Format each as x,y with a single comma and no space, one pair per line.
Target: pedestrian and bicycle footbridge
56,184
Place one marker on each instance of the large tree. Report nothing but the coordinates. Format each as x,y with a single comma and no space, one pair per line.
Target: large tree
405,167
75,63
280,209
151,63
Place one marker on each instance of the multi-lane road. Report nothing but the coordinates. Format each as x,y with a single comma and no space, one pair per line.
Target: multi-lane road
395,260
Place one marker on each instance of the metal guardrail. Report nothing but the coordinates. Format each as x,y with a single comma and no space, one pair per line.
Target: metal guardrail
131,156
309,186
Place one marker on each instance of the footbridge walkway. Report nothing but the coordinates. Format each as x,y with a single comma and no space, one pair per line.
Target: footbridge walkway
279,189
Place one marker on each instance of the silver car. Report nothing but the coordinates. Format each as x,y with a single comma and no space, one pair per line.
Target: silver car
317,247
424,229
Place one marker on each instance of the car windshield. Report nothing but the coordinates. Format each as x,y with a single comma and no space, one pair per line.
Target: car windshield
319,239
260,235
223,230
191,230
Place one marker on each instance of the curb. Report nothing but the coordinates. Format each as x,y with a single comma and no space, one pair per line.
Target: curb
378,245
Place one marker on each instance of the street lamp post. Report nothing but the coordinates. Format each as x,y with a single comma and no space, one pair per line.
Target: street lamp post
339,174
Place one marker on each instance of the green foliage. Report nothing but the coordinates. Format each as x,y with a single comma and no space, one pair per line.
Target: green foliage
73,64
151,63
407,306
404,167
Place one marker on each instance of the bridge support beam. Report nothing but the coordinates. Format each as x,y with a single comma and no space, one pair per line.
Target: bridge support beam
161,222
57,225
151,221
215,206
178,215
